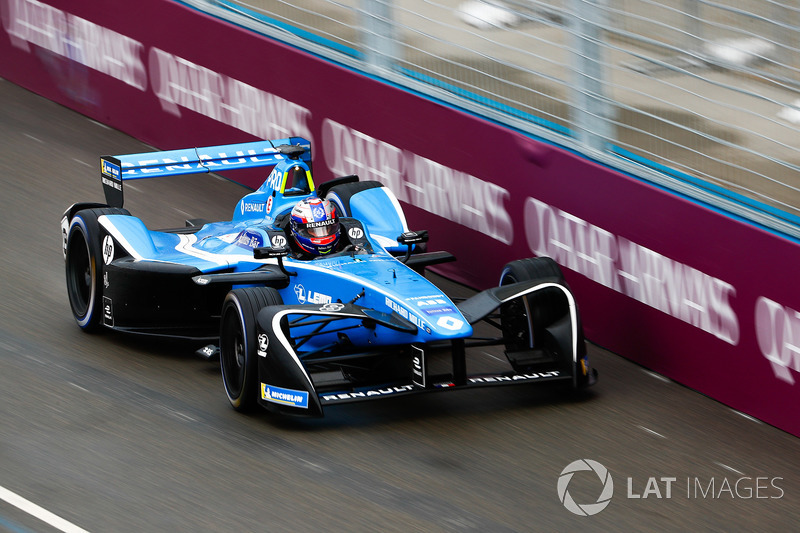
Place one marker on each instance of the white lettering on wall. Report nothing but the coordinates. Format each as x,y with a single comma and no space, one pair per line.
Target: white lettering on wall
674,288
180,83
441,190
778,334
29,22
347,151
176,81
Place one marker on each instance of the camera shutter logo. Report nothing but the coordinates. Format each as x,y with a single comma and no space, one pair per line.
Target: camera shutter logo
587,509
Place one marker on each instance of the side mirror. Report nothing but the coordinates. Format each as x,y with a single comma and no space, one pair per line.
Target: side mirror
268,252
411,238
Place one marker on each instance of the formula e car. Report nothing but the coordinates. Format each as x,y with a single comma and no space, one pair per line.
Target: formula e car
295,334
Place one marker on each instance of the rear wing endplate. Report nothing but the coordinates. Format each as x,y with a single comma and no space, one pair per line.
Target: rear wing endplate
114,170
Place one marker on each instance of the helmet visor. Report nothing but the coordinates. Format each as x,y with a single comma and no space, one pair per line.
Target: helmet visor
323,229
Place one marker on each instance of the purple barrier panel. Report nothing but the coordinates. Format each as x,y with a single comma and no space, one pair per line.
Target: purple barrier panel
680,288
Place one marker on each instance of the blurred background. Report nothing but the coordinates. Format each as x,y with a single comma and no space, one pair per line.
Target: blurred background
700,96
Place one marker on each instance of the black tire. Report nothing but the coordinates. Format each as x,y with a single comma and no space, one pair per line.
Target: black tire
238,343
340,195
84,266
523,320
544,307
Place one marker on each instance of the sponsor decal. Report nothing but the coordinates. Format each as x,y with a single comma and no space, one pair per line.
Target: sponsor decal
107,168
269,205
431,297
372,393
427,302
108,249
295,398
321,223
475,380
198,161
249,240
332,307
500,378
312,297
253,207
355,233
111,183
278,241
363,259
438,310
405,313
449,322
108,311
263,343
209,350
434,306
64,234
418,366
273,181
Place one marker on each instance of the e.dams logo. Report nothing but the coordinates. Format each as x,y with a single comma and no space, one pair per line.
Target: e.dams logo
586,509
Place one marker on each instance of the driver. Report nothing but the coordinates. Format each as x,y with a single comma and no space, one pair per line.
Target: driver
315,226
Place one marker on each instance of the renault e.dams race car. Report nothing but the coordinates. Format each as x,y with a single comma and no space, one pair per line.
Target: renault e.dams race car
295,334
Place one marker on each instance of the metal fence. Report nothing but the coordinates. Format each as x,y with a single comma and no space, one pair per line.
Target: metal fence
701,96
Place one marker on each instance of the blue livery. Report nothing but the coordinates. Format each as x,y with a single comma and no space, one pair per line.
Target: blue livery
294,333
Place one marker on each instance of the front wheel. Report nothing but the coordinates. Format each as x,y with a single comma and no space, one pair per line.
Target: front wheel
239,343
523,320
536,329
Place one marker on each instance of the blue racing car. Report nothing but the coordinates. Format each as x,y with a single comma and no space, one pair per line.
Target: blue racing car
310,295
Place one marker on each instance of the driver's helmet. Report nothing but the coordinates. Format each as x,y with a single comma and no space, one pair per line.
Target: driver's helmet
315,226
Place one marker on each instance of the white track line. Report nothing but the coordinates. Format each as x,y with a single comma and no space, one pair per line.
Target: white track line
38,512
657,434
726,467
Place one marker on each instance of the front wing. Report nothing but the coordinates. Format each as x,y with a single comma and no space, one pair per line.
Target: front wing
297,379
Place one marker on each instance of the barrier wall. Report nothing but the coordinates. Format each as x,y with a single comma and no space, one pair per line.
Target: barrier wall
687,291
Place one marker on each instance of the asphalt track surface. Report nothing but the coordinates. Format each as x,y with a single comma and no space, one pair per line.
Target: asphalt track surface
112,433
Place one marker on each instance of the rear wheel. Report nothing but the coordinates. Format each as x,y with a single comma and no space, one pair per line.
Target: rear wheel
378,210
84,266
340,195
238,343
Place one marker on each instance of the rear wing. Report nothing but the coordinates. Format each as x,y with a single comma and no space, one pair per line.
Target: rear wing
114,170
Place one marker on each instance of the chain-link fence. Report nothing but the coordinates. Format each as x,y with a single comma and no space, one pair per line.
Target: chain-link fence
701,96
